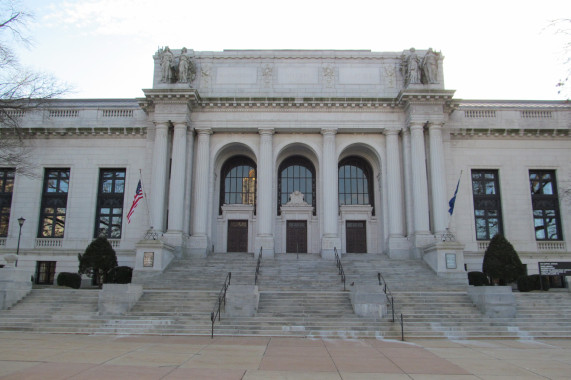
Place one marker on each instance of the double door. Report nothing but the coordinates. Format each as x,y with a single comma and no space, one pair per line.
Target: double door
296,236
237,236
356,236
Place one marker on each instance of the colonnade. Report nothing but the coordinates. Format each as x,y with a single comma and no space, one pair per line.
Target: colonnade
407,211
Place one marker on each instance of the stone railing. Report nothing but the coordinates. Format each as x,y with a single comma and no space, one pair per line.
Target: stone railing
118,113
478,114
115,243
2,242
551,246
48,243
66,113
536,114
483,245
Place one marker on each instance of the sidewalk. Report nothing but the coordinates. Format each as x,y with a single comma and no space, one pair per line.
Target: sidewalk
48,356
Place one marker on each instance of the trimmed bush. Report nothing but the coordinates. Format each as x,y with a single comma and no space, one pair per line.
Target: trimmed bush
501,262
120,275
99,258
529,283
72,280
477,279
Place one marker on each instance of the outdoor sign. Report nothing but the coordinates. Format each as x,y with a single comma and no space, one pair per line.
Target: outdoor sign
555,268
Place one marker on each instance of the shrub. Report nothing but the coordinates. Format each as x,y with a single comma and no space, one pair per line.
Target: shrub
72,280
99,258
529,283
120,275
477,279
501,262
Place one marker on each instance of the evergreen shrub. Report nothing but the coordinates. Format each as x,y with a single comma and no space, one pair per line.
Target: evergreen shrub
98,259
120,275
477,279
501,261
72,280
529,283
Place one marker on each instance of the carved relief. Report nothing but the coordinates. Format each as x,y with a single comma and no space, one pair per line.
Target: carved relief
206,74
296,199
390,75
267,74
328,72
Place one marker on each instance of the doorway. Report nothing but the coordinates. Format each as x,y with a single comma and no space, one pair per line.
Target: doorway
296,236
45,272
237,236
356,236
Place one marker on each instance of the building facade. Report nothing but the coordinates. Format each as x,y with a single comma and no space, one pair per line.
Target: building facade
291,152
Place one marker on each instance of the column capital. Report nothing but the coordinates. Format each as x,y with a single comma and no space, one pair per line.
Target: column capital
391,132
162,124
203,131
328,131
266,131
415,126
435,125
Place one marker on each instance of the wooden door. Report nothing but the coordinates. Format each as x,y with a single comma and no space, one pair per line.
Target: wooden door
356,236
237,236
296,240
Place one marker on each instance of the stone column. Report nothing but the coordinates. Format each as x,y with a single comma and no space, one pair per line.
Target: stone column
398,246
160,160
177,187
438,179
199,241
419,180
188,187
264,208
329,169
407,182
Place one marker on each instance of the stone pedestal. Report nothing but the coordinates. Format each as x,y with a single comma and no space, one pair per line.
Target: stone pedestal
117,299
446,259
267,245
152,258
494,301
242,300
15,284
399,248
176,239
369,301
328,243
199,246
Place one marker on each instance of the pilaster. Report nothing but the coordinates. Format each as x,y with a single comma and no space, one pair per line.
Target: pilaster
419,186
265,236
330,239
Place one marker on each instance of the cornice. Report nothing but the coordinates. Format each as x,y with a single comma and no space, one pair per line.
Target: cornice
508,133
85,132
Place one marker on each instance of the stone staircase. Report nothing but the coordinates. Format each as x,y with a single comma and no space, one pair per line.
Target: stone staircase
299,296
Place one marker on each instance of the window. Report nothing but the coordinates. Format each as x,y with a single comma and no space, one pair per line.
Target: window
355,182
487,204
238,184
6,190
109,215
54,203
545,204
296,173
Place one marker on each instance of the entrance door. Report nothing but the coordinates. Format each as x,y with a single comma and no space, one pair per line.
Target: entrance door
45,272
237,236
356,233
296,241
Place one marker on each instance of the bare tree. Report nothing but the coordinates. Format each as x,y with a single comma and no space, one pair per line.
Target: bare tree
563,27
21,90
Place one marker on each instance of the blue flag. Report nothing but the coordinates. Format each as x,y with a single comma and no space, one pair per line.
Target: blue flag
453,199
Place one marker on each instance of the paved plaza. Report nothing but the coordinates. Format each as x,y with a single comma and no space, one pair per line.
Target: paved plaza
51,356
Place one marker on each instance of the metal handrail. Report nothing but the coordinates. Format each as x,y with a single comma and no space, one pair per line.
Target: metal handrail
340,267
258,264
391,299
221,300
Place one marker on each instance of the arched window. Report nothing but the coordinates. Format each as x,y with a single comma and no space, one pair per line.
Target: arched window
296,173
356,182
238,182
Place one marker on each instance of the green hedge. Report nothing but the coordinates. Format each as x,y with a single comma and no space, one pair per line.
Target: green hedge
120,275
477,279
529,283
72,280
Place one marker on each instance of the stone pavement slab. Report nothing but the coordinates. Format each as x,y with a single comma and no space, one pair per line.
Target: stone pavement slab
68,356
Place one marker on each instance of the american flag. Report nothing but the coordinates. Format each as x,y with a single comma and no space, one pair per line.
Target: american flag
138,197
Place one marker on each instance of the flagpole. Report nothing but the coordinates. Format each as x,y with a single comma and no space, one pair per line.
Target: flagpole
145,196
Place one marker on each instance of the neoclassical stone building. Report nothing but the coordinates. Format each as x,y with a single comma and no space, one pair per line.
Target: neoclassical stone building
292,151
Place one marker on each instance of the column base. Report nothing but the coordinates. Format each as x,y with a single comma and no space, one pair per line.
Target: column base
266,242
399,248
419,241
177,240
199,246
328,243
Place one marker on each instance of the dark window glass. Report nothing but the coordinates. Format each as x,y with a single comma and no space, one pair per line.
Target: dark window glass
487,203
6,189
296,173
355,182
54,203
545,204
109,213
238,184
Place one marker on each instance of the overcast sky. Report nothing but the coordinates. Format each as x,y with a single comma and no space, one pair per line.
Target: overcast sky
493,49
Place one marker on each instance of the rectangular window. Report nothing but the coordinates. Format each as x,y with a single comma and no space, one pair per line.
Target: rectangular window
54,203
545,204
109,215
6,190
487,203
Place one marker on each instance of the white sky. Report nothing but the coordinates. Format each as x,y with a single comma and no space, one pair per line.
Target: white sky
499,49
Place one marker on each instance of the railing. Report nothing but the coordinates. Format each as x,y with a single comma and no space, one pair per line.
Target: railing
391,299
340,268
221,300
258,264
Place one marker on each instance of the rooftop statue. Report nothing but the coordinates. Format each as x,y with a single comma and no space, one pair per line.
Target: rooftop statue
430,67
